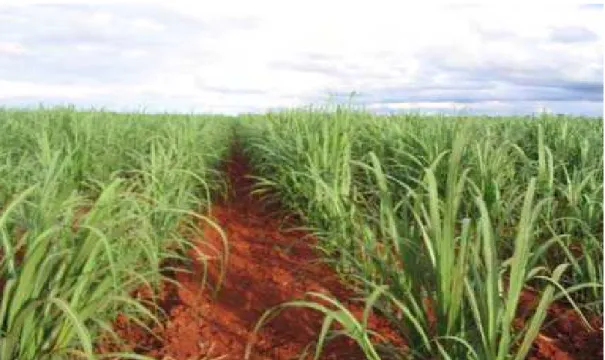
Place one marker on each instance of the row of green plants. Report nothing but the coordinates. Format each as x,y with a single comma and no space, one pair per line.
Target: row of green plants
441,223
94,206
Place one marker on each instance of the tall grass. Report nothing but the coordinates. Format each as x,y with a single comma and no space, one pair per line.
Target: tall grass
94,206
442,222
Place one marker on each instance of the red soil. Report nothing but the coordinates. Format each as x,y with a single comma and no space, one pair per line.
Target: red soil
564,335
267,265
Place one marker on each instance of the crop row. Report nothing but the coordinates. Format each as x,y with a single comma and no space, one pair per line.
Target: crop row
443,223
94,206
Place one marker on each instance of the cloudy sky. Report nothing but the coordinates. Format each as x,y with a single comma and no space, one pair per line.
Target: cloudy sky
242,56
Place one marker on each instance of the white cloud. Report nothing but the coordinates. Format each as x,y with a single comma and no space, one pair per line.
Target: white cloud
11,48
254,55
148,24
28,89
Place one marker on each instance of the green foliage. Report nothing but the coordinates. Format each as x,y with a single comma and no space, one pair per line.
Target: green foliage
450,217
93,205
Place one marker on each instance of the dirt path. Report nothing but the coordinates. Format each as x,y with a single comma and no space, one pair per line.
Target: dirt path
267,265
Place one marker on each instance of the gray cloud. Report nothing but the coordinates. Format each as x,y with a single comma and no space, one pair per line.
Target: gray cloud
573,34
517,108
592,6
463,84
510,94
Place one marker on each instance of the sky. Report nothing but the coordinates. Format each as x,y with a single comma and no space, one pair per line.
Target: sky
251,56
